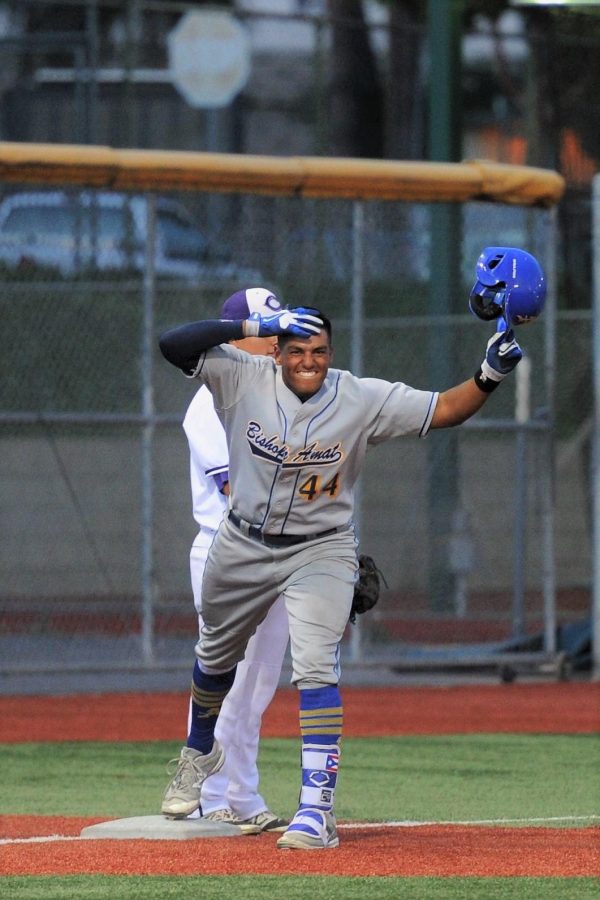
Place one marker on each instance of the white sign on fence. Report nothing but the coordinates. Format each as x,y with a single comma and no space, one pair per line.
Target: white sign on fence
209,58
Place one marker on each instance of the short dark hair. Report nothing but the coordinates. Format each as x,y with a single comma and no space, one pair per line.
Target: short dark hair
283,339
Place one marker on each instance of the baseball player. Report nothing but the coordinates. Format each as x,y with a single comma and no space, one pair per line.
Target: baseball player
297,432
231,795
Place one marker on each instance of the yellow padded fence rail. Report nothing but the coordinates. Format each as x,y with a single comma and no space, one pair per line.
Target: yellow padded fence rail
158,170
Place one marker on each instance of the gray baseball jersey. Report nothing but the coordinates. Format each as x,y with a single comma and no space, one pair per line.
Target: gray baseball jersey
292,468
293,465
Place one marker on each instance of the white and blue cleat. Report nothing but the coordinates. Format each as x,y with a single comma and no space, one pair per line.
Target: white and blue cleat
310,829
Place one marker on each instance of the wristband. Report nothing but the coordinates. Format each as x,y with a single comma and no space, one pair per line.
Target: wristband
487,385
251,327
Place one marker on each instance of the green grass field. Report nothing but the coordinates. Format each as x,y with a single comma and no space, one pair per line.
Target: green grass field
450,778
551,780
257,887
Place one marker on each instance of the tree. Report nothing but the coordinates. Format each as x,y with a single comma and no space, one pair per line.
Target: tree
405,131
355,94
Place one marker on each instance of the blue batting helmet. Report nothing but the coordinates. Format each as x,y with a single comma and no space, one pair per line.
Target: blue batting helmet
510,283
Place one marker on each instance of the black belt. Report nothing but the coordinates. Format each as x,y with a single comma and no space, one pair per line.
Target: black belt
277,540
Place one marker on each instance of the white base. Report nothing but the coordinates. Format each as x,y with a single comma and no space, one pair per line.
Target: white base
160,828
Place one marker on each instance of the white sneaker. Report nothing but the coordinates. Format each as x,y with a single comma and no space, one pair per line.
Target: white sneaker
182,795
266,821
230,818
310,829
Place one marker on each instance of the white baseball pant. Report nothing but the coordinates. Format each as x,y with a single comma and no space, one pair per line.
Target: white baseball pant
238,725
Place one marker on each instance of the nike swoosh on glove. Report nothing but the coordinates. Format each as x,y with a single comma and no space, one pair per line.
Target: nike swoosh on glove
502,355
301,322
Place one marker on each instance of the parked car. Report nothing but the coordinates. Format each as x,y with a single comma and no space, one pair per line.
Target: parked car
106,231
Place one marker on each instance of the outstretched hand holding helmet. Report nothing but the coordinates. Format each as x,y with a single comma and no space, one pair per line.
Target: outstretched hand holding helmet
511,290
501,357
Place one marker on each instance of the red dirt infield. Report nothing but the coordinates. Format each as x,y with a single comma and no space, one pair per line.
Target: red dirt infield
38,845
555,707
433,850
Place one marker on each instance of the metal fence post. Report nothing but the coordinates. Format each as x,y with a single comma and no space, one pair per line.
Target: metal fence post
357,341
522,420
549,495
147,382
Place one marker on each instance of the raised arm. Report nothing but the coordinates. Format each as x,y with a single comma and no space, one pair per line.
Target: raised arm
459,403
183,346
510,287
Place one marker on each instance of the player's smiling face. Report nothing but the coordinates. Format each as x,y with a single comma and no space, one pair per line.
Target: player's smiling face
304,363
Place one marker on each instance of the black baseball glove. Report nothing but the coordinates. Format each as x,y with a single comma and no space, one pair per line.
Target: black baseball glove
367,588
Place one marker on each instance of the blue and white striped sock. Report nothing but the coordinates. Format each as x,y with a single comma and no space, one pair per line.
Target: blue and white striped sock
321,722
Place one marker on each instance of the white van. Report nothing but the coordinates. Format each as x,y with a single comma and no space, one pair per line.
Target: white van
100,230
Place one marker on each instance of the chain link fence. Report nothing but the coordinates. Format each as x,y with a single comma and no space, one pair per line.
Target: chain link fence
482,532
102,74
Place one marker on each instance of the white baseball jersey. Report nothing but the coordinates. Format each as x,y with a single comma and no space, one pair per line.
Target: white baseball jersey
257,676
294,464
209,461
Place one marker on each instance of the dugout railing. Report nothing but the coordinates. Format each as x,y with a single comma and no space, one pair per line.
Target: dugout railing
89,411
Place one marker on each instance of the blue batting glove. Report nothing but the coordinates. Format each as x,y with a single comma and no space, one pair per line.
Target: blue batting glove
300,321
501,357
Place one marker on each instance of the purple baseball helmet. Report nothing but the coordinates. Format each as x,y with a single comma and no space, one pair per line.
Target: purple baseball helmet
251,300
